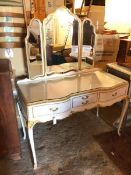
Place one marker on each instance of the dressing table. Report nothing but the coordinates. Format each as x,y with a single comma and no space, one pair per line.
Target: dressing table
63,88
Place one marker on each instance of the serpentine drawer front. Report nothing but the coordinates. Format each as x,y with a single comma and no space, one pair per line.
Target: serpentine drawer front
56,108
112,94
84,99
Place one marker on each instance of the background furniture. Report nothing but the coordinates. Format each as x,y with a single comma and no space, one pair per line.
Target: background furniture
9,136
124,53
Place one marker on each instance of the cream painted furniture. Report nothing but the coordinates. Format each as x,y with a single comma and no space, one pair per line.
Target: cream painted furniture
56,89
56,98
122,72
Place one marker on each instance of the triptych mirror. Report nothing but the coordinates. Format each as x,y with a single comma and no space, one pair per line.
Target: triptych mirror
62,43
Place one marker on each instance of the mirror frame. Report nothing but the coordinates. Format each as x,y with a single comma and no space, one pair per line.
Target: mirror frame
28,48
42,34
45,21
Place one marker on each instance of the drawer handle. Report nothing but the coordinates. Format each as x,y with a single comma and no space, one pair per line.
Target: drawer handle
113,95
84,97
54,109
84,103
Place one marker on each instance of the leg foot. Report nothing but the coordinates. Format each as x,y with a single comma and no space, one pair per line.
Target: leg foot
22,121
123,115
31,139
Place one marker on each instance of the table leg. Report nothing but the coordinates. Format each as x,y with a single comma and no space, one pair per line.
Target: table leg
98,111
21,120
123,115
31,140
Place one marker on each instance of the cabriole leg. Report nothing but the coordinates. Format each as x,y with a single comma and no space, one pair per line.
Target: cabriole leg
21,120
98,112
123,115
31,140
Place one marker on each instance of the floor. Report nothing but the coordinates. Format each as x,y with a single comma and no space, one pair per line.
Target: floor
67,148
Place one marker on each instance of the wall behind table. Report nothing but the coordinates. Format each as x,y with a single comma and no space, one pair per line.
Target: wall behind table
12,35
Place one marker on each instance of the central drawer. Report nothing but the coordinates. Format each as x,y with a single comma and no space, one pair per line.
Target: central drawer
84,99
50,108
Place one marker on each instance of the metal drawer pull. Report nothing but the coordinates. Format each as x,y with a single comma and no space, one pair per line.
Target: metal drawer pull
84,103
84,97
113,95
54,109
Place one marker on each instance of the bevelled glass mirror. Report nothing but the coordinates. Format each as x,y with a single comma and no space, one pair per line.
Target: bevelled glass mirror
62,29
34,49
88,43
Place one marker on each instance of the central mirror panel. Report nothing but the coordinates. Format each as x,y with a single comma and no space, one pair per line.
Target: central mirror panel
62,29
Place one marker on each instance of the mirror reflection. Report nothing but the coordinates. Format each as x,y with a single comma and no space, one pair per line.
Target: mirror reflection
34,52
62,30
63,43
88,42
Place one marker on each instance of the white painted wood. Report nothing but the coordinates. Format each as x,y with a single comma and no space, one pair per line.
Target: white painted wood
31,139
84,99
123,70
123,113
21,120
56,98
61,107
113,94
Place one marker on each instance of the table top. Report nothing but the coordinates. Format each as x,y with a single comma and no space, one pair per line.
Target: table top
39,91
36,68
65,67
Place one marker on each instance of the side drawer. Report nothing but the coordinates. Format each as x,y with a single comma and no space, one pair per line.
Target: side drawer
84,99
112,94
47,109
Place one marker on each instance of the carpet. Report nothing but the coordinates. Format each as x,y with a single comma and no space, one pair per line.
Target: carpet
67,148
117,148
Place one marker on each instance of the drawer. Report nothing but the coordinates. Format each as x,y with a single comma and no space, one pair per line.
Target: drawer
111,95
84,99
50,108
